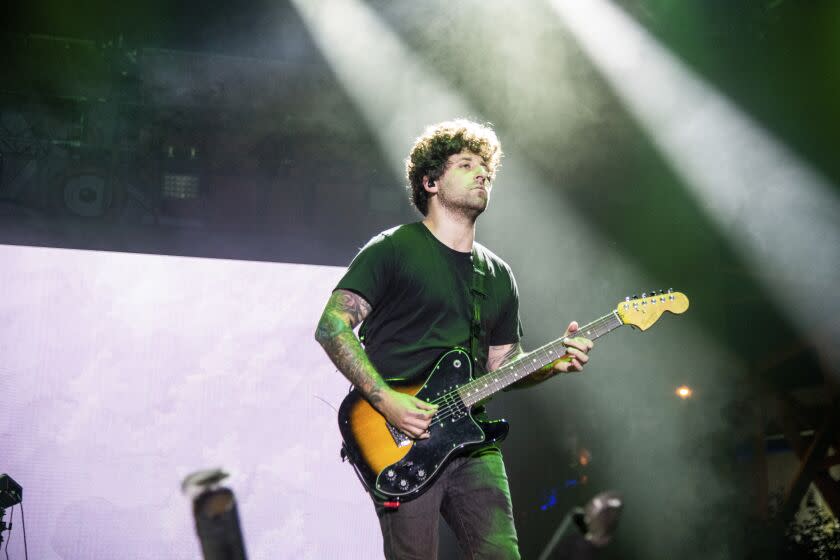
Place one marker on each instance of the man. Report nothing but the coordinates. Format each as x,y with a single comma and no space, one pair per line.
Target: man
411,287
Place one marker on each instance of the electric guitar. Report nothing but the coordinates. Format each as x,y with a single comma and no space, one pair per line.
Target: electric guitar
397,468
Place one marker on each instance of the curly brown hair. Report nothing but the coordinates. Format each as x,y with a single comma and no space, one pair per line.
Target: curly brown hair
432,149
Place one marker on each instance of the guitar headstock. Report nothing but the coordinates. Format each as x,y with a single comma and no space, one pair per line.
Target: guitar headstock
642,312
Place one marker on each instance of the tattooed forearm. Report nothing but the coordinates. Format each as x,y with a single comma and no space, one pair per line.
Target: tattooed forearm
497,356
349,357
539,375
344,311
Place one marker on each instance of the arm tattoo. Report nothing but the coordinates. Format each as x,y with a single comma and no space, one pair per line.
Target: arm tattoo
497,356
344,311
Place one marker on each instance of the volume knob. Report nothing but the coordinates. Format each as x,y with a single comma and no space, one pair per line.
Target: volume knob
390,474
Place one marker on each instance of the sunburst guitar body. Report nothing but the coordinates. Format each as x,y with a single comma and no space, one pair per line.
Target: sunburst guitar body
395,467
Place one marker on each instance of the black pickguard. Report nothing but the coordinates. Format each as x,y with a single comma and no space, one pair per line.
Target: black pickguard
453,432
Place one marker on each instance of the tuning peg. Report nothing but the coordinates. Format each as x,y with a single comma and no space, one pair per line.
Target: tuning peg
627,298
670,290
634,296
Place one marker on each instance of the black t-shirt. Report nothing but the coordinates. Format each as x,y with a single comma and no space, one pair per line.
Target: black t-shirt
419,292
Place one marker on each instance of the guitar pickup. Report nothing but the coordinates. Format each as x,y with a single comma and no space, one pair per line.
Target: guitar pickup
400,438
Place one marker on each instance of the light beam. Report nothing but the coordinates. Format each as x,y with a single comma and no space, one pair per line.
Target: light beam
779,213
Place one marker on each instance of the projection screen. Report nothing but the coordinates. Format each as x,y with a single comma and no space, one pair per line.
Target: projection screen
122,373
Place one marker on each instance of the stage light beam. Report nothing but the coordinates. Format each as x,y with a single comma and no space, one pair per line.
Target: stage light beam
395,92
779,213
398,95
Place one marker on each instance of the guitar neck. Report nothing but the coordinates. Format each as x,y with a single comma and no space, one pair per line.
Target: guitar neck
488,385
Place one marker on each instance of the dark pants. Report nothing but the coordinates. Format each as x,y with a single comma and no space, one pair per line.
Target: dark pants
472,495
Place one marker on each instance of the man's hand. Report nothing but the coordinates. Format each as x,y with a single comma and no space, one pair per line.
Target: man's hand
577,352
408,414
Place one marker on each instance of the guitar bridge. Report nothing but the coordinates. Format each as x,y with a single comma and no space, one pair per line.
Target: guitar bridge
399,438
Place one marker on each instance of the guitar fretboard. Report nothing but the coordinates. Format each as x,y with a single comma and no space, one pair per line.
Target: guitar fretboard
489,384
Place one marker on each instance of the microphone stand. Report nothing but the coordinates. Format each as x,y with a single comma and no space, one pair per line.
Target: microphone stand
596,523
574,516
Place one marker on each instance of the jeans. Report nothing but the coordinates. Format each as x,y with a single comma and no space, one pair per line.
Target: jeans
472,495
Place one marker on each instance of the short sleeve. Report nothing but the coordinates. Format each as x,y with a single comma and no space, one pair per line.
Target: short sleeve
508,329
370,273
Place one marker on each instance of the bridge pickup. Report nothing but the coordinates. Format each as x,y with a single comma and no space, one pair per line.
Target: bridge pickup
400,438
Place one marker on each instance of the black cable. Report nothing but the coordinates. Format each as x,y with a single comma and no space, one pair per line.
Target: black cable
23,520
9,536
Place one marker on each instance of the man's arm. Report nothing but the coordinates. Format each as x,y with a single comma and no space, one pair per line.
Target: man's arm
577,354
343,312
498,356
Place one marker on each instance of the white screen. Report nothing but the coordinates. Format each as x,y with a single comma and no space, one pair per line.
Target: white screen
122,373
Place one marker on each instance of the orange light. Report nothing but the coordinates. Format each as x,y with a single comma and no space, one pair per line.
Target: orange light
584,457
684,392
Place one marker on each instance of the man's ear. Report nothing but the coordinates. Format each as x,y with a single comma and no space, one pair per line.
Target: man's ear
430,186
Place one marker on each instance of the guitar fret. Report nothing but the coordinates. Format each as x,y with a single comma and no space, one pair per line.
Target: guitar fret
493,382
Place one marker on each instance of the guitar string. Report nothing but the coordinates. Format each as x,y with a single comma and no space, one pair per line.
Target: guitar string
543,349
546,353
457,403
454,405
611,321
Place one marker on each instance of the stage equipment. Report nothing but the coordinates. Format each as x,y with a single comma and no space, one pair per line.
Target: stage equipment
584,530
11,494
89,193
216,516
180,186
181,170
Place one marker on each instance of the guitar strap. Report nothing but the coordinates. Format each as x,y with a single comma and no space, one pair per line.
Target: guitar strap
478,292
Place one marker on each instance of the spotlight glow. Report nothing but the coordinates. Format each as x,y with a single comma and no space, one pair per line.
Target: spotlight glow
584,457
684,392
396,93
780,214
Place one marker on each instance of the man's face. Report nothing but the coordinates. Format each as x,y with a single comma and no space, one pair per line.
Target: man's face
464,187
